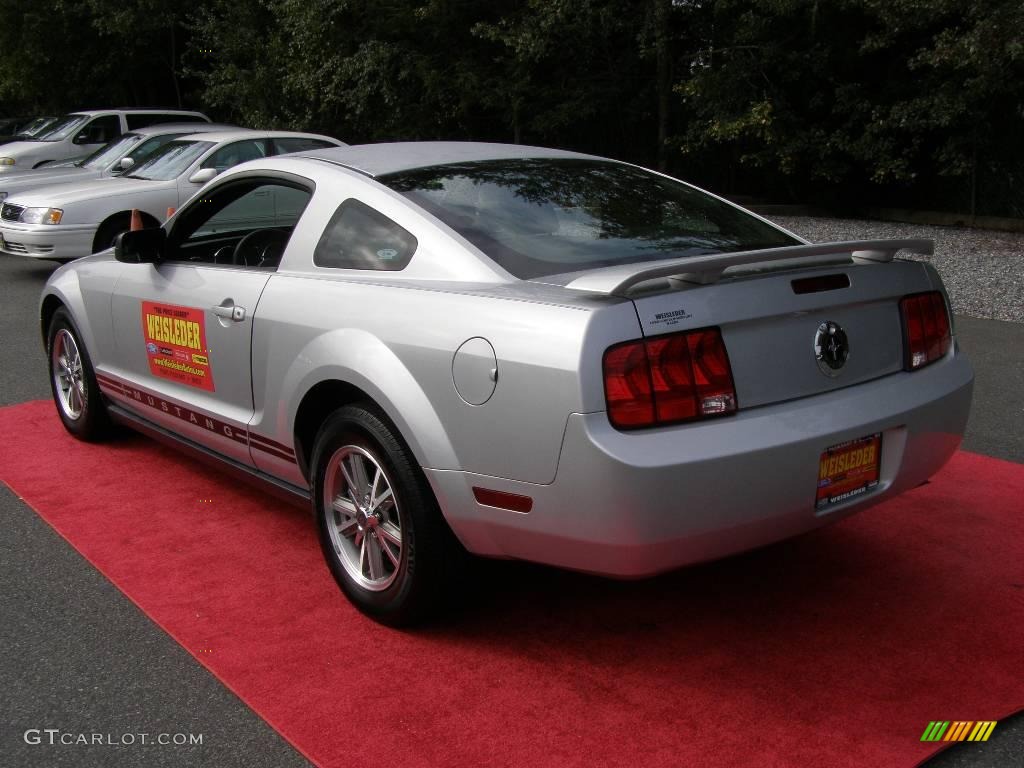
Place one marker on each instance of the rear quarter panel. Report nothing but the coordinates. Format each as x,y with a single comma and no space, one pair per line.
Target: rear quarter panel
397,341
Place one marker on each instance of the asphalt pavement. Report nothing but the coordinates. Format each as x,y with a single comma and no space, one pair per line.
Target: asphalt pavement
77,655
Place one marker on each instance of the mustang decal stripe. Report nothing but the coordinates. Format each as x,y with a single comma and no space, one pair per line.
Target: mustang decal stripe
271,444
273,452
239,435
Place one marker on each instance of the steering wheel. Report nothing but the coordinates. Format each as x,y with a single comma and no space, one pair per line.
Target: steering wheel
260,248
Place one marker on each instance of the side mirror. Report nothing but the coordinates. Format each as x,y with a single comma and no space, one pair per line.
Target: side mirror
142,246
81,138
126,163
203,175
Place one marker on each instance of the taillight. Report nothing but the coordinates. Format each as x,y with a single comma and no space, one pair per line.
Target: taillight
668,379
926,334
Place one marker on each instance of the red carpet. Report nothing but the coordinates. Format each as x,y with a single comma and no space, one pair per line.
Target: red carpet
835,649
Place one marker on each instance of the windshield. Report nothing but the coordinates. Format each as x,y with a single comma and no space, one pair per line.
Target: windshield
36,127
171,160
538,217
110,152
129,145
64,127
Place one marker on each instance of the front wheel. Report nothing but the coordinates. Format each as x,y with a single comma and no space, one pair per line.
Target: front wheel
381,531
73,382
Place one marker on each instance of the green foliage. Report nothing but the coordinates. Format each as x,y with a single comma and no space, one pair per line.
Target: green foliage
919,98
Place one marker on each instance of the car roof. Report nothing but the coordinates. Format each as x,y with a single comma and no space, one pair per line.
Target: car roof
159,129
249,133
134,111
382,159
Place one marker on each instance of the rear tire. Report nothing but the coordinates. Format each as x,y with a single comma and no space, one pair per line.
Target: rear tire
73,381
383,536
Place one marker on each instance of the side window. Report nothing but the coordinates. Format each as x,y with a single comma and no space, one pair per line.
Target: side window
138,121
358,237
239,152
100,130
299,144
239,224
142,119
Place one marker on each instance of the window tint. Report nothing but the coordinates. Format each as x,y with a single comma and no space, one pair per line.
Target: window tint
100,130
267,205
358,237
141,120
238,152
538,217
242,223
298,144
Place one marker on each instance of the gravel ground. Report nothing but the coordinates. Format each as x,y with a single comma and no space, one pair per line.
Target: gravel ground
983,269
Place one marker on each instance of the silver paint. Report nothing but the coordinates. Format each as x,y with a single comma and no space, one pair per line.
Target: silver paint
624,504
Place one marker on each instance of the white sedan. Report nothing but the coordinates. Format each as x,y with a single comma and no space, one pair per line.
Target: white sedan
67,221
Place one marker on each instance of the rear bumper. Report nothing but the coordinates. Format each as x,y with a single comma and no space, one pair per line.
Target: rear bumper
637,504
46,241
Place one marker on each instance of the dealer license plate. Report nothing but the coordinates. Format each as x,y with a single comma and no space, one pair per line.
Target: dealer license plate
848,470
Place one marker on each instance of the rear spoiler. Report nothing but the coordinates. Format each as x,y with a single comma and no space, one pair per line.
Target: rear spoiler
708,269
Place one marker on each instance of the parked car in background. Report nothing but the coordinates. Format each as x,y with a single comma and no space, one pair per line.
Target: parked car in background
67,221
36,126
11,126
19,128
113,159
530,353
79,133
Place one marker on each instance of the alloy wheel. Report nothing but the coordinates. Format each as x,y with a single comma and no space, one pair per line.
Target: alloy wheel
68,375
363,518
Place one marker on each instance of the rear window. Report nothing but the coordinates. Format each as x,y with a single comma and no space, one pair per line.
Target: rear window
538,217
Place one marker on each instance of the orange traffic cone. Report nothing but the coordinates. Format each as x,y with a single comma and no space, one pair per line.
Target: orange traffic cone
170,211
136,220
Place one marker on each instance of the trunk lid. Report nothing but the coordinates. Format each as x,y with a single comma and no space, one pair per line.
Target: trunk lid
770,329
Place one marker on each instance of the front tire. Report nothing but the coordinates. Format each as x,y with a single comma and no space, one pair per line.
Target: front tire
381,531
73,381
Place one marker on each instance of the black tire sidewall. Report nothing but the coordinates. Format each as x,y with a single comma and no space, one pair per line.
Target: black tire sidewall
413,591
93,423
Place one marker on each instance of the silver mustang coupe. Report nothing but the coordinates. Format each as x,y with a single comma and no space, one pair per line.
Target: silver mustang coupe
519,352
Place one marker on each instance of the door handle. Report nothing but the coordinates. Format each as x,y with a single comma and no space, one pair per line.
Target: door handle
230,312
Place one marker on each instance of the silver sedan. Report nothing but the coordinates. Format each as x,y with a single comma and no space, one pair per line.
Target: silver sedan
112,159
515,352
67,220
